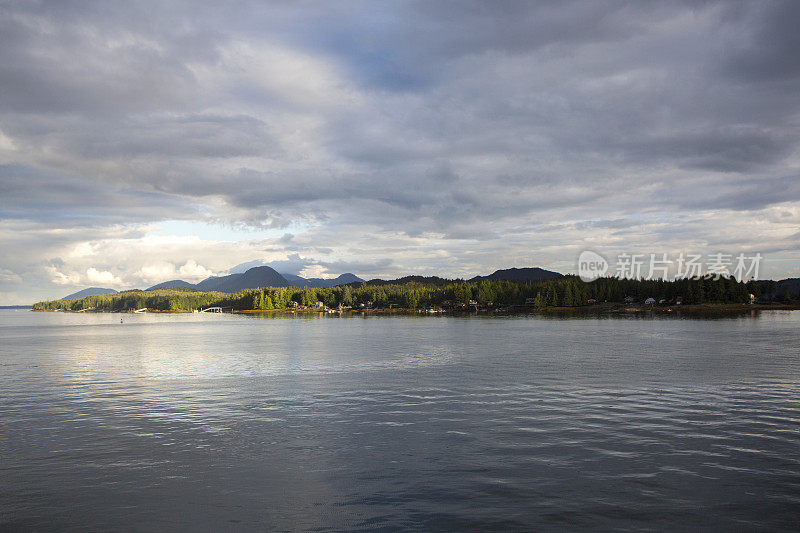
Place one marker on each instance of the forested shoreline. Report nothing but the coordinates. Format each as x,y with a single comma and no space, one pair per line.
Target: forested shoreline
568,291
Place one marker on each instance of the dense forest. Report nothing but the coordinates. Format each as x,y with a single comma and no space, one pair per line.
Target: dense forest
568,291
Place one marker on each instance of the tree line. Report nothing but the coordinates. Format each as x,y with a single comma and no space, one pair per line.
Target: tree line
568,291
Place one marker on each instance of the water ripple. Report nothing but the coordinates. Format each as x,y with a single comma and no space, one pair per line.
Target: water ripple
399,424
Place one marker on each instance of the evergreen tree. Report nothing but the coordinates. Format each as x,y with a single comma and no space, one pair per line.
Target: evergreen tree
347,296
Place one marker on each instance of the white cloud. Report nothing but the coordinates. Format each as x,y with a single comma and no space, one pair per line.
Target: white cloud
159,271
6,143
192,271
60,278
315,271
102,277
156,272
293,75
82,249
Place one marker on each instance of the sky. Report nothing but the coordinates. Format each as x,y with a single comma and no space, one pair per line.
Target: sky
147,141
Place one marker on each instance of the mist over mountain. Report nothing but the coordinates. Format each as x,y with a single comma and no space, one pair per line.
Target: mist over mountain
244,267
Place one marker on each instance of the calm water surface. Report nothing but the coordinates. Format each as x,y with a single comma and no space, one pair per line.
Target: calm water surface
220,422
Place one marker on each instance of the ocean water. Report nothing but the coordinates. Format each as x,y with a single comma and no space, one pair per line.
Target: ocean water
231,422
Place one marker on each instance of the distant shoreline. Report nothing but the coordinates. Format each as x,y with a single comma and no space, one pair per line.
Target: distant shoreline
602,309
567,294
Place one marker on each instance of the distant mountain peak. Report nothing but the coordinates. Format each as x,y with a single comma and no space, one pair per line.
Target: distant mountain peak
348,277
241,268
90,291
253,278
521,274
173,283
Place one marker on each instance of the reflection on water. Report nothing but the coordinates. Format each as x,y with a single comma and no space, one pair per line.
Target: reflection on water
218,422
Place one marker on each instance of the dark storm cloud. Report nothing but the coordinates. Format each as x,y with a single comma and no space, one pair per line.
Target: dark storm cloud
746,194
720,149
768,50
584,85
405,49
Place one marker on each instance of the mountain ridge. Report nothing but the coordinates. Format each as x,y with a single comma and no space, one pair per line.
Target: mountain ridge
89,291
172,284
266,276
322,283
259,276
520,274
425,280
